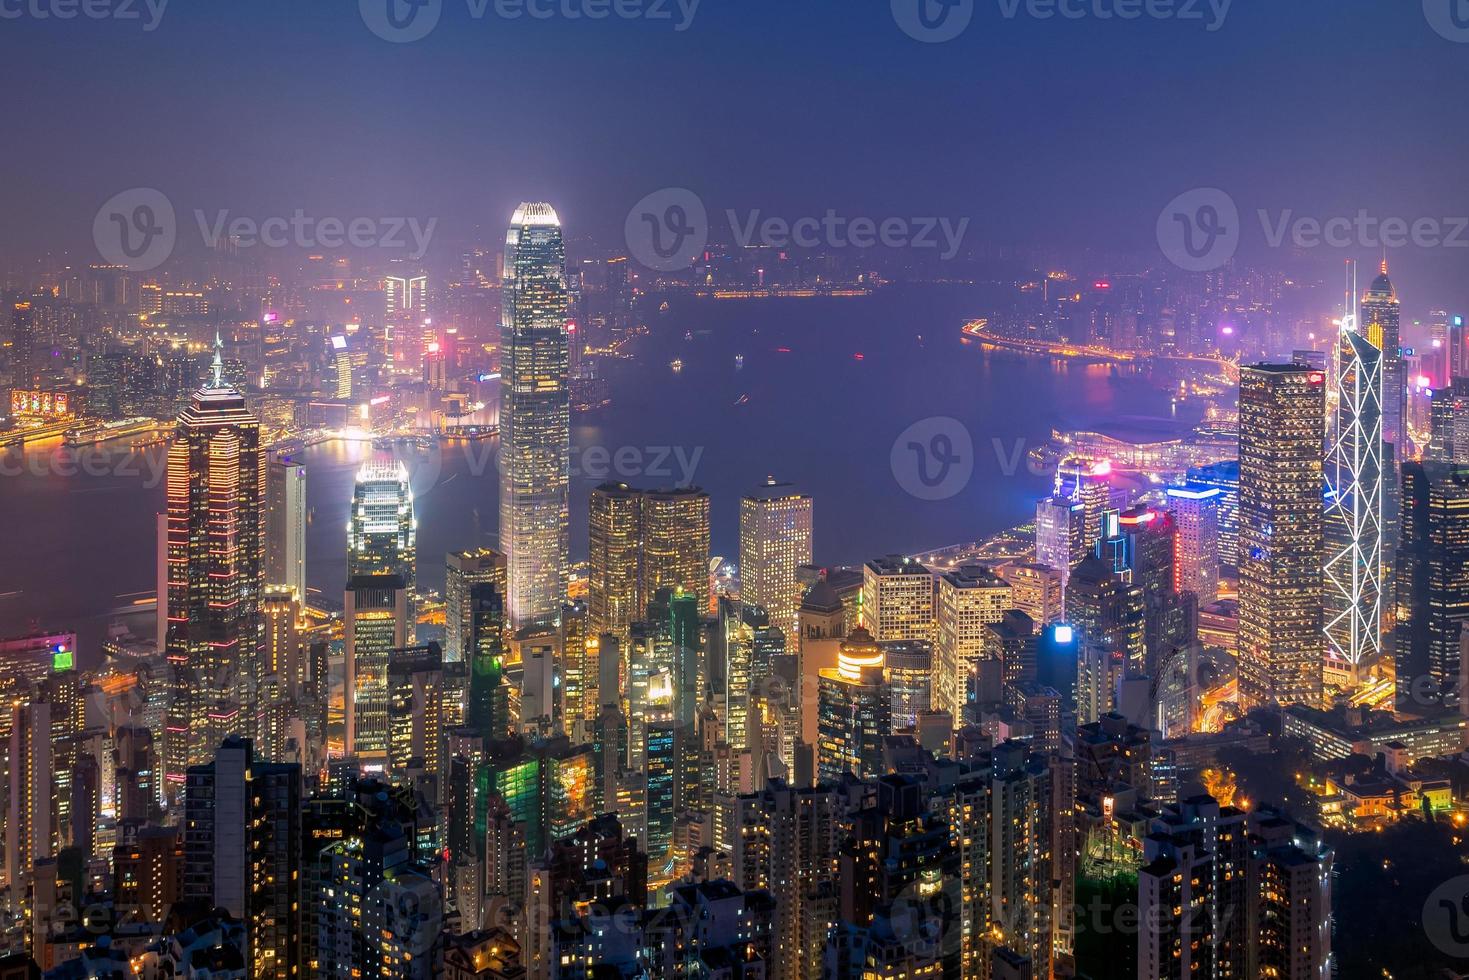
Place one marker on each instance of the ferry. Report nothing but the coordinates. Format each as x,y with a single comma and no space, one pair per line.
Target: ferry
676,364
97,433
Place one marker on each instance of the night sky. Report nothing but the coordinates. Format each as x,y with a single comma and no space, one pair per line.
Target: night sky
1053,132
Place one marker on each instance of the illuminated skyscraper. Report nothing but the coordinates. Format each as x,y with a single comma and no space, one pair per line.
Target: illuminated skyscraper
1060,534
775,540
854,711
214,566
1089,482
968,600
285,525
897,599
465,570
376,620
1280,487
1223,476
1433,578
1353,528
382,535
641,541
1196,565
535,415
1379,323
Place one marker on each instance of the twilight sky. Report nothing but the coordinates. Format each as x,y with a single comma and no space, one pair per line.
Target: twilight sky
1056,131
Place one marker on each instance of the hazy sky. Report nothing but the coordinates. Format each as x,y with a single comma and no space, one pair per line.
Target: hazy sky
1040,130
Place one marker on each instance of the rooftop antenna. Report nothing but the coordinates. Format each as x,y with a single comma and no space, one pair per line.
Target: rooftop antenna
218,379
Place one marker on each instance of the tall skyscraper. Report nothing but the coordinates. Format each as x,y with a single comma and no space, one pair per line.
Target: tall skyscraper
1353,528
897,599
775,540
854,711
1379,323
969,598
382,536
535,415
214,566
464,570
1088,482
641,541
1280,486
285,525
1196,515
1433,577
1060,534
1223,476
376,620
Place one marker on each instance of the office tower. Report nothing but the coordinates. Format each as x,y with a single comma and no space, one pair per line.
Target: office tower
465,570
854,711
22,345
376,620
1089,483
897,599
1225,478
775,540
342,363
214,564
909,665
1035,590
1109,613
285,525
382,535
405,297
969,598
1060,534
535,415
416,737
1433,577
242,851
1012,641
1379,325
1353,526
641,541
1149,553
1288,905
1196,564
30,828
579,652
1280,484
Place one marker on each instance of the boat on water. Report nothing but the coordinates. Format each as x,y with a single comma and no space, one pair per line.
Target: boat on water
133,430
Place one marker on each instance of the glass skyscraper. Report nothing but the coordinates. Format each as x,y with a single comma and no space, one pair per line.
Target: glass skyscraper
535,415
382,535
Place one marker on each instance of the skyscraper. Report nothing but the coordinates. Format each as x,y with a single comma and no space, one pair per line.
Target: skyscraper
1280,485
535,415
1060,534
464,570
969,598
854,711
1433,577
1353,527
376,620
897,599
382,535
1196,514
641,541
214,565
1379,323
775,540
285,525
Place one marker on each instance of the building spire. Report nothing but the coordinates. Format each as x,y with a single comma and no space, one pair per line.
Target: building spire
218,380
1384,260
